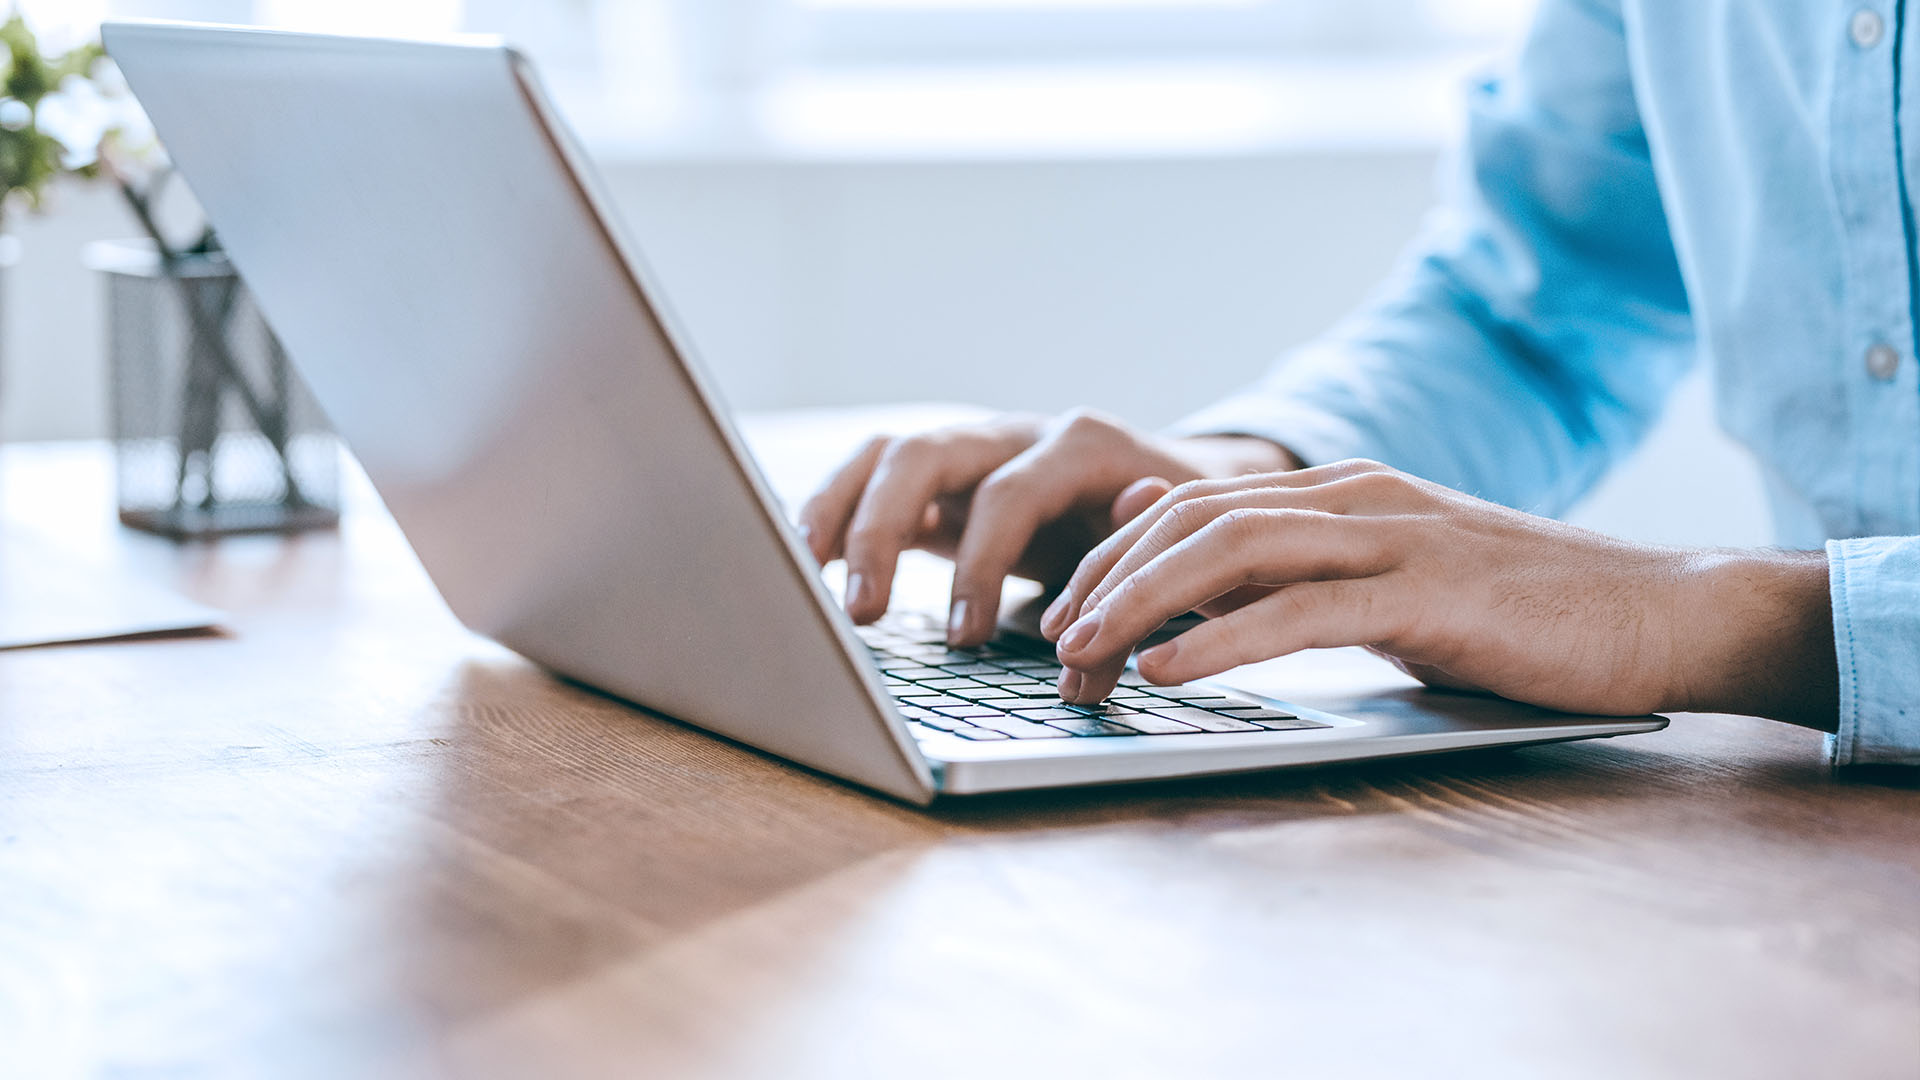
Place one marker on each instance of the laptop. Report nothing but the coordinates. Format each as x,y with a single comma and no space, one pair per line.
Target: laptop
432,246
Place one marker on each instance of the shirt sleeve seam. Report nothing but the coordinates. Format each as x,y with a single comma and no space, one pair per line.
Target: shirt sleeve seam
1846,733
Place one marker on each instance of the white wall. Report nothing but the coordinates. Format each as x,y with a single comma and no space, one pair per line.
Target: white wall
1142,286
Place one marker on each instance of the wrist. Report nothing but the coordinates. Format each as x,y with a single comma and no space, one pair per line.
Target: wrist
1756,637
1236,455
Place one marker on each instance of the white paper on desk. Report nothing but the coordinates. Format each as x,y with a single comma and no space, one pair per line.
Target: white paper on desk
50,596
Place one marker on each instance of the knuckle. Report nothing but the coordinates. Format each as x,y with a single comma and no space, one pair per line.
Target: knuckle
907,453
1243,524
1133,590
1235,639
1395,608
862,537
1300,607
1377,484
1002,486
1084,422
1189,516
1356,466
870,530
1189,490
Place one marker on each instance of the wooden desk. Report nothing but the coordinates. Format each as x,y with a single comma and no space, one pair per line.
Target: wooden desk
348,839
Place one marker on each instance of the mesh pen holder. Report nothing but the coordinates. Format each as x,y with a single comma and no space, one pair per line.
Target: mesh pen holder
213,431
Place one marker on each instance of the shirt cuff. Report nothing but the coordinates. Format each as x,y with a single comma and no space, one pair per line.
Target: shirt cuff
1875,587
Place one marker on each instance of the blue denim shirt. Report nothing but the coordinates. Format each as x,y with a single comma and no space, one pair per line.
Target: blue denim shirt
1647,182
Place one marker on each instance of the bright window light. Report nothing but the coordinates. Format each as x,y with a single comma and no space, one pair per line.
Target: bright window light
398,18
62,24
964,5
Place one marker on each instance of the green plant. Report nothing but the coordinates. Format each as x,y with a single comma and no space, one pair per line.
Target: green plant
31,154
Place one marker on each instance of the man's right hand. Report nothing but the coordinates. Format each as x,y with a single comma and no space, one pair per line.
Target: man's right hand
1024,495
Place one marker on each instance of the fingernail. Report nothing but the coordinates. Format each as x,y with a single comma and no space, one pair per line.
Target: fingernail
1080,633
1070,683
956,622
1161,653
856,590
1056,611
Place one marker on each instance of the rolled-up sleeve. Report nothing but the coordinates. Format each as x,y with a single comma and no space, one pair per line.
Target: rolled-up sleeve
1533,331
1875,585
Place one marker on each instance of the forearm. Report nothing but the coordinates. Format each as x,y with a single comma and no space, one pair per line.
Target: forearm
1756,637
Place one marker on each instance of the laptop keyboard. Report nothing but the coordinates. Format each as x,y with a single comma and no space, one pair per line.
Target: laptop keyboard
999,691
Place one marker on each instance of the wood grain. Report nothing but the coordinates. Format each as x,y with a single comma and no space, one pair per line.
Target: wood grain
346,838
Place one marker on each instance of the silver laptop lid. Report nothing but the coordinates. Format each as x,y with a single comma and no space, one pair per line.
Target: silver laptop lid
425,239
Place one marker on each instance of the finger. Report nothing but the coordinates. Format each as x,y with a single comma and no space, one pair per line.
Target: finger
1348,495
1243,547
1094,568
1071,603
1178,518
911,472
824,517
1311,615
1137,497
1036,486
1129,504
1080,452
1234,600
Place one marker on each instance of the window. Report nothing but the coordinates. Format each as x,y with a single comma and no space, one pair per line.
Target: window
991,31
950,76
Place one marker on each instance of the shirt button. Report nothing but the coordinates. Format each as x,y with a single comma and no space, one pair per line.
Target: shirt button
1882,362
1865,28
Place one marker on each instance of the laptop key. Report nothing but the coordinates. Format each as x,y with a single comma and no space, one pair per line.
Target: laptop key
1102,709
950,656
1034,690
1290,723
1089,726
1212,704
980,734
976,692
1056,713
1149,724
1019,729
950,684
967,712
998,694
1184,693
1202,719
1241,712
970,669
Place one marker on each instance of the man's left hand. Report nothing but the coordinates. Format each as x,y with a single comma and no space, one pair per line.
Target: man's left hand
1459,592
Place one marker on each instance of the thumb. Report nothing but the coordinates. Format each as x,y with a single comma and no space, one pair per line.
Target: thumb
1137,497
